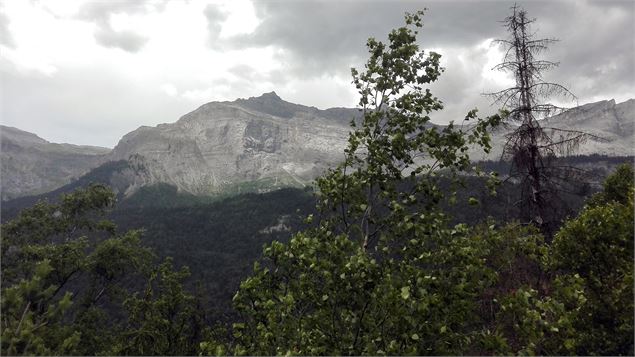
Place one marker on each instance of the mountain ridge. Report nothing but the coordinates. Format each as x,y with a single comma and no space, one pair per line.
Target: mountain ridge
32,165
259,143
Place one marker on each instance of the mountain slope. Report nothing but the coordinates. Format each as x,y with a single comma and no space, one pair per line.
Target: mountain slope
32,165
222,145
611,125
251,145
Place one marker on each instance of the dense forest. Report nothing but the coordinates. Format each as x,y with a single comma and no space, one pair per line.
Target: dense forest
387,255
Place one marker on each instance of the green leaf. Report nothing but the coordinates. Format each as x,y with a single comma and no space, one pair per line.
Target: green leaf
405,292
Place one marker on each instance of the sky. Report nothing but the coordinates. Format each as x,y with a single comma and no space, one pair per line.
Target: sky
88,72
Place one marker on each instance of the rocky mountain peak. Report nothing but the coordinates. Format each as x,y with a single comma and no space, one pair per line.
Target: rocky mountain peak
270,103
271,96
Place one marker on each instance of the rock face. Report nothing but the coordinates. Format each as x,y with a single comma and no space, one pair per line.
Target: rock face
223,146
31,165
254,144
611,127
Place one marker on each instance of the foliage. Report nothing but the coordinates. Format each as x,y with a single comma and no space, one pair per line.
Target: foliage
30,323
164,320
586,307
596,248
218,240
616,187
65,273
46,254
366,280
383,272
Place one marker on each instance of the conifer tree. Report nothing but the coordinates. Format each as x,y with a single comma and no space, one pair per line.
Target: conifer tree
531,147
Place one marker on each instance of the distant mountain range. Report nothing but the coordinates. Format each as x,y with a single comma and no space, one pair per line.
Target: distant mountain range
31,165
254,144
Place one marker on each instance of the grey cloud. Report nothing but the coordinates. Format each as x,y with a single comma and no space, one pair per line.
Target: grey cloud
84,106
319,37
596,48
99,12
595,51
215,17
88,106
329,37
243,71
5,36
125,40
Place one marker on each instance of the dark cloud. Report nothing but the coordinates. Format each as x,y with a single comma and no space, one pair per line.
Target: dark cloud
329,37
595,50
319,38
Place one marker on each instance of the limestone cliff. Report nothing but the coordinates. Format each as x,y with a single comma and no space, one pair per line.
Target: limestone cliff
223,145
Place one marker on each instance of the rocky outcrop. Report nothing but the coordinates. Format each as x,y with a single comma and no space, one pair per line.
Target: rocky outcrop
611,126
31,165
224,144
611,129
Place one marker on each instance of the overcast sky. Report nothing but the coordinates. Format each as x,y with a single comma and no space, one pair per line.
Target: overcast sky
88,72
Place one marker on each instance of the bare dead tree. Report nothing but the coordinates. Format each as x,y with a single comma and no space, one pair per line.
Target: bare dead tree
531,148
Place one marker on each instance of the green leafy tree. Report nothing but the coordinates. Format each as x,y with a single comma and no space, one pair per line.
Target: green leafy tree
60,263
586,307
616,187
66,273
381,273
31,322
596,249
163,320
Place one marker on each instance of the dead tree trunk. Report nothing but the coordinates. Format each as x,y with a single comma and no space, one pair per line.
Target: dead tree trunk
529,146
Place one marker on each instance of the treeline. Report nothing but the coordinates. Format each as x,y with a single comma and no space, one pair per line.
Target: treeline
596,165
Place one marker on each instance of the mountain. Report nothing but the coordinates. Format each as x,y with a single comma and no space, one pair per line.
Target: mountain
31,165
249,145
260,142
611,124
611,127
